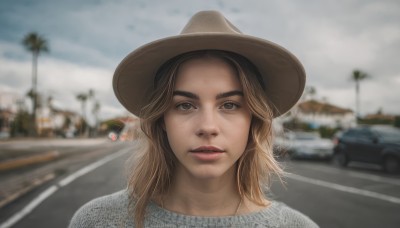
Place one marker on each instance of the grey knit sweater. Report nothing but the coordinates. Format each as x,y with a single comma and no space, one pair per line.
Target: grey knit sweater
112,211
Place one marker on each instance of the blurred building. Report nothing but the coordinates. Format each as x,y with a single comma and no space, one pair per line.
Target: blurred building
10,103
130,129
325,114
380,116
319,114
6,118
56,122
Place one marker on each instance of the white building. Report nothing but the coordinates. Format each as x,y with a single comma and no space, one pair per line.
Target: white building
325,114
319,114
11,101
50,120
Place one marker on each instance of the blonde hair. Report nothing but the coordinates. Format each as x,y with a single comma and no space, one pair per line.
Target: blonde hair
153,164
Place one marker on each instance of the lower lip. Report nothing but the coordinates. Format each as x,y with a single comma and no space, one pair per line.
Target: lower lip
206,156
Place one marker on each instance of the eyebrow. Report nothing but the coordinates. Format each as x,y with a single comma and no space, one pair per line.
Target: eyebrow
219,96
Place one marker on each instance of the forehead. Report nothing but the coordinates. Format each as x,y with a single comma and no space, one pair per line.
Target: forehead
207,71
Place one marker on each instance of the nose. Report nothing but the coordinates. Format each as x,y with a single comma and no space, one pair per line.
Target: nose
207,124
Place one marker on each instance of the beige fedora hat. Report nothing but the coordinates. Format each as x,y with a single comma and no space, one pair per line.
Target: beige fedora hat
284,76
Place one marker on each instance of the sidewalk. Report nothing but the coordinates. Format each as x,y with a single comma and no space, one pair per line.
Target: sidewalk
15,148
28,163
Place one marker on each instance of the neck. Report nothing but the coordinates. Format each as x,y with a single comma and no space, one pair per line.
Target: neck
203,197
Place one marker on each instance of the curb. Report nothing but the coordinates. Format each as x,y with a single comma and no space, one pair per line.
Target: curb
35,183
29,160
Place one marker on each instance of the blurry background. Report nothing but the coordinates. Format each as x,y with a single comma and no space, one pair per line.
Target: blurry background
87,39
58,58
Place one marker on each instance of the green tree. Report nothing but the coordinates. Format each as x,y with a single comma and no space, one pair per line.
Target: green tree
21,124
357,76
397,121
35,44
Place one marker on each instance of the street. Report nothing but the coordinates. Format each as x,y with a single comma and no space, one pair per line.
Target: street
358,196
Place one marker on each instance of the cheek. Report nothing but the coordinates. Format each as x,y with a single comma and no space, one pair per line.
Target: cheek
174,131
239,133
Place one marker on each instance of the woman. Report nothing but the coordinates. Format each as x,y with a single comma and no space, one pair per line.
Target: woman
206,99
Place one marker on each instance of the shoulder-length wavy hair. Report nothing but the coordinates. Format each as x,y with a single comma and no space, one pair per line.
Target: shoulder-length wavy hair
152,167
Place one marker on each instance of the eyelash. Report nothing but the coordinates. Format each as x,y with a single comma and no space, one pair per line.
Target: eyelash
180,106
235,105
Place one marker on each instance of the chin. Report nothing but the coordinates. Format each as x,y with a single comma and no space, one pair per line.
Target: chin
206,176
207,173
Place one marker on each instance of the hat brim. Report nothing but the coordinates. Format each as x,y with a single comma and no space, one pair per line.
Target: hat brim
283,74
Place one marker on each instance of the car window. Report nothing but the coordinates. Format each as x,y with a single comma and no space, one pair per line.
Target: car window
388,134
359,134
351,133
366,134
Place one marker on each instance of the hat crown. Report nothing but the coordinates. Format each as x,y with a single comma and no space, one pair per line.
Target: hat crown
283,75
209,22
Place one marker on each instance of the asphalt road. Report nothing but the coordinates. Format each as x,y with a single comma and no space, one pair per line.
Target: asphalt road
358,196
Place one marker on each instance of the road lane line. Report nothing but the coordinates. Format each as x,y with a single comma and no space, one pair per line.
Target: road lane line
29,208
376,178
343,188
386,180
89,168
48,192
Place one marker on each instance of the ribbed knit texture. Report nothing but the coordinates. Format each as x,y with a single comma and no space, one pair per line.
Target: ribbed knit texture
112,212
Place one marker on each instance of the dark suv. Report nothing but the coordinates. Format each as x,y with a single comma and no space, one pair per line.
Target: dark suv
370,144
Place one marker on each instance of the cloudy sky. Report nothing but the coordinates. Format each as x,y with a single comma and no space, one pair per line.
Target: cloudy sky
89,38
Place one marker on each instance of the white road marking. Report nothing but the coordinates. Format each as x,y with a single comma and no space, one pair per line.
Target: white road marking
52,189
385,180
325,169
343,188
89,168
28,208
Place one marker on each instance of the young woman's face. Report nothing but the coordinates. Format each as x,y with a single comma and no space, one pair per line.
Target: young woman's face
208,121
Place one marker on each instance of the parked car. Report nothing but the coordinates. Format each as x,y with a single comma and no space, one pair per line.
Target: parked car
370,144
4,135
305,145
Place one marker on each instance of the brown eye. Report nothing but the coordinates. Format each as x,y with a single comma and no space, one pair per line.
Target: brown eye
230,106
184,106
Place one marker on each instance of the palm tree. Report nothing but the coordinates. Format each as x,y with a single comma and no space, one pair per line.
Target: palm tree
311,92
83,97
36,44
91,94
358,76
95,111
